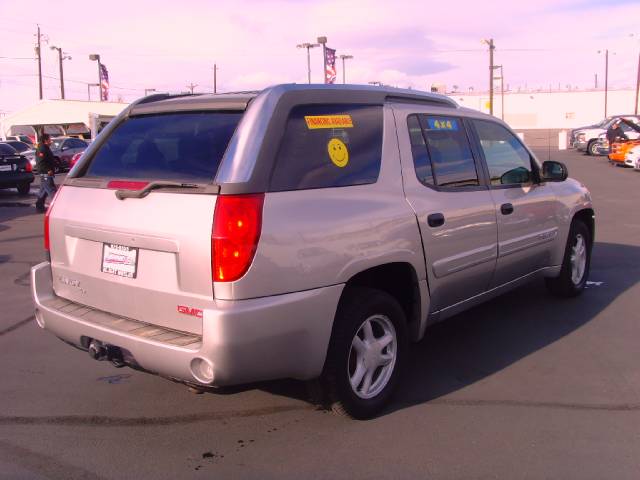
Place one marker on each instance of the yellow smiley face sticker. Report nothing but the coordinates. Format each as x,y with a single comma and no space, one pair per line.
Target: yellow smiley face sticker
338,152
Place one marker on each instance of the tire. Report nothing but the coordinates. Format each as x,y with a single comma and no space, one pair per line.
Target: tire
23,188
592,148
575,264
377,368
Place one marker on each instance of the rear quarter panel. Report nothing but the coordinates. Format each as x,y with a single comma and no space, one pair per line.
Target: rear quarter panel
315,238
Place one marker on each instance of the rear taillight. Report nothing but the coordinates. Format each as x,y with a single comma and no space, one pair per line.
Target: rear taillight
28,167
237,224
46,219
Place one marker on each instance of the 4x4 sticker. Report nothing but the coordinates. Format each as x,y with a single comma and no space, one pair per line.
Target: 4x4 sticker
338,152
442,124
328,121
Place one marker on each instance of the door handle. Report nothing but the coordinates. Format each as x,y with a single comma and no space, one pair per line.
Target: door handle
435,220
506,208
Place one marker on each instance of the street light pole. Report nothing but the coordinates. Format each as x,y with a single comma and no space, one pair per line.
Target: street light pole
344,57
96,58
308,46
323,41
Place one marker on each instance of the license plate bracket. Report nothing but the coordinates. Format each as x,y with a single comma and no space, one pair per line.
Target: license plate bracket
120,260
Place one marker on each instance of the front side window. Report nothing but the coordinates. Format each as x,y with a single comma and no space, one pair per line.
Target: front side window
508,161
186,146
449,153
329,146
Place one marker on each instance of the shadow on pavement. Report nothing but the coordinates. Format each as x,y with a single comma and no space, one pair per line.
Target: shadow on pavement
486,339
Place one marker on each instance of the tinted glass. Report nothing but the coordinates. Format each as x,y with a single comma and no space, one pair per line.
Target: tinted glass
449,150
508,161
7,149
421,160
171,146
56,144
329,146
75,143
19,146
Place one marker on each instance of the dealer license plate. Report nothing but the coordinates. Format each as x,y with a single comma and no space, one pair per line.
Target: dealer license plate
119,260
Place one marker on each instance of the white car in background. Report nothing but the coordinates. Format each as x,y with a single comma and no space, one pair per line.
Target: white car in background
586,139
632,158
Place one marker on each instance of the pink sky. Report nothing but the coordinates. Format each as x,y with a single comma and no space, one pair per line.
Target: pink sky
167,45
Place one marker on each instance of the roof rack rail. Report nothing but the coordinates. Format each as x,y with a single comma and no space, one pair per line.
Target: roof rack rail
156,97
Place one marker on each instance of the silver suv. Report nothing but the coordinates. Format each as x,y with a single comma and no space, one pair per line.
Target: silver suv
308,232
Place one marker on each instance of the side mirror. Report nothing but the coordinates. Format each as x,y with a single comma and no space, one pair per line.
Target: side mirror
554,171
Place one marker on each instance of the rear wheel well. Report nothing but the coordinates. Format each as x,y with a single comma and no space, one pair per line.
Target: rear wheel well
398,280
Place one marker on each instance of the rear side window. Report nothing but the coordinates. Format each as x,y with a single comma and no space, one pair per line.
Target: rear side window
186,146
421,159
329,146
449,152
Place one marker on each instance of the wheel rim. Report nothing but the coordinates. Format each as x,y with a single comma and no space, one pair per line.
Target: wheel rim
372,356
578,259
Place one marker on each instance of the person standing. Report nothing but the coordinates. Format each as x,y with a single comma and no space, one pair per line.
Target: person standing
46,164
615,133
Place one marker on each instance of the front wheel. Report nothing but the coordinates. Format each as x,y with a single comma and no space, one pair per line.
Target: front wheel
366,354
576,263
592,148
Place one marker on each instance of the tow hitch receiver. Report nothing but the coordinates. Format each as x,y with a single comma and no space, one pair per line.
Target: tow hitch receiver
102,351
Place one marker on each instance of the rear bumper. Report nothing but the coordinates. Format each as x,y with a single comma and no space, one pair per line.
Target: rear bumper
10,180
283,336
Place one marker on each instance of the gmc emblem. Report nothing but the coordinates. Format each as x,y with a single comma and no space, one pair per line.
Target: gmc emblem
194,312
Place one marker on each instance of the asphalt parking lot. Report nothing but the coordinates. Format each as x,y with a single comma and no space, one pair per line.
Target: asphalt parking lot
526,386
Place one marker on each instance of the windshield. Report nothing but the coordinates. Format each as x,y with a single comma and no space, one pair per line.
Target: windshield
173,146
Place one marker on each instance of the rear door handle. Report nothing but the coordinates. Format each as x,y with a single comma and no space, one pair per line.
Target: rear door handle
435,220
506,208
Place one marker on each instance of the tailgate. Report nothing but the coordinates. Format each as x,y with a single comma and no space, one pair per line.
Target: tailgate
137,258
146,258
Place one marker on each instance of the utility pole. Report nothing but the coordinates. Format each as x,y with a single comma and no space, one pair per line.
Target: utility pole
491,49
637,86
308,46
215,78
501,78
323,41
606,80
39,54
344,57
61,58
191,86
596,80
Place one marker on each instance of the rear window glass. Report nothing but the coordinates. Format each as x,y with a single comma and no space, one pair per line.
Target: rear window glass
329,146
186,146
7,149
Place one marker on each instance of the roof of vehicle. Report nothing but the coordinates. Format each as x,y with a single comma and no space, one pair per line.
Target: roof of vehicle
239,100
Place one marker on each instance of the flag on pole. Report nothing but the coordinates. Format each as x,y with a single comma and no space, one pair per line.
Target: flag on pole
104,83
330,57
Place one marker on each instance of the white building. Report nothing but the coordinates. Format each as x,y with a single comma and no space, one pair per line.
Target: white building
555,109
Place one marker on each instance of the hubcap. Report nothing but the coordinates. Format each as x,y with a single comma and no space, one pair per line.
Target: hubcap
372,356
578,259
